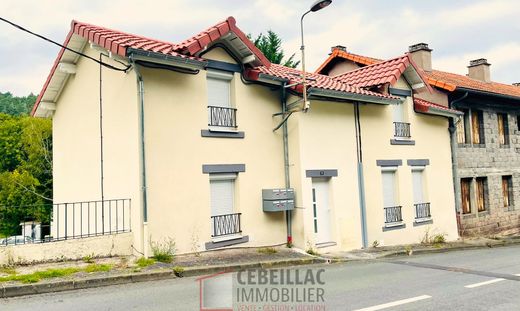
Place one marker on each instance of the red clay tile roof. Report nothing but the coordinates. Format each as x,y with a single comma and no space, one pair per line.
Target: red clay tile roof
118,42
200,41
314,80
376,74
421,105
364,60
441,79
451,79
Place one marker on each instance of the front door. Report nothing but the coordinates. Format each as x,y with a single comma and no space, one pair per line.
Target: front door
321,210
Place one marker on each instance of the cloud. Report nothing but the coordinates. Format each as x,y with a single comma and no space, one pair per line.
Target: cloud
456,31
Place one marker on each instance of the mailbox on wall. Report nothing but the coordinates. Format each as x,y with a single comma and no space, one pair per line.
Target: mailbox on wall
278,200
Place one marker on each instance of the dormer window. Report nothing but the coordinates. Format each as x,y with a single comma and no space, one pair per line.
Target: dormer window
221,111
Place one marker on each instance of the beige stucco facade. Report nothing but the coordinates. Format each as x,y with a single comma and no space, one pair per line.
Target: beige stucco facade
178,191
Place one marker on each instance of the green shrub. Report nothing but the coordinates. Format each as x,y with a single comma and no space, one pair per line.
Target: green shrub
145,262
98,268
178,271
164,251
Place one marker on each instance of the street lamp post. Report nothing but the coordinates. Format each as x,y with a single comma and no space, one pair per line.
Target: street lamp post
316,6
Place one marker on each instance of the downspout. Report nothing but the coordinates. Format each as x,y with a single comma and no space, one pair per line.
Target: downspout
286,160
453,146
101,143
142,153
361,178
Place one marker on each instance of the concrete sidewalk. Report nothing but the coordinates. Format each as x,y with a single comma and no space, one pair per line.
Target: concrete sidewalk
123,270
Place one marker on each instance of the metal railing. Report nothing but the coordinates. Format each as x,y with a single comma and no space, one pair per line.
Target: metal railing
422,210
222,116
225,224
65,221
393,214
402,130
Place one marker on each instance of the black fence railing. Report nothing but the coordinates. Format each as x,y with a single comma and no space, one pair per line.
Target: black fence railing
422,210
402,130
65,221
222,116
225,224
393,214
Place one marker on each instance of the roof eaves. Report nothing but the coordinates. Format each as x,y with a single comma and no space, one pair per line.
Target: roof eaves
479,92
181,61
353,96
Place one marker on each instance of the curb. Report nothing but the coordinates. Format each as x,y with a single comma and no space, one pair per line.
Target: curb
422,251
93,282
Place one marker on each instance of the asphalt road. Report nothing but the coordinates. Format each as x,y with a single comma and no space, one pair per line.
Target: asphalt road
463,280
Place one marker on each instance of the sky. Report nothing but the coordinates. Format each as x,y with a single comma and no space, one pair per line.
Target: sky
457,31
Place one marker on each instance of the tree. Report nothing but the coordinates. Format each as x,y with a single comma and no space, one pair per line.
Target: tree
16,106
25,171
271,46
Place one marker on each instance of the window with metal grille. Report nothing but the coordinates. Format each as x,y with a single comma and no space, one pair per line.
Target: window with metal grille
503,129
221,113
481,192
507,191
465,191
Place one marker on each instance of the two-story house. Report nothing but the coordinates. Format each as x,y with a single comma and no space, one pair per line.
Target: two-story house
484,151
215,147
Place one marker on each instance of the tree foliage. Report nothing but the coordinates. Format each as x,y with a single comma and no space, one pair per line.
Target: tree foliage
271,46
25,171
16,106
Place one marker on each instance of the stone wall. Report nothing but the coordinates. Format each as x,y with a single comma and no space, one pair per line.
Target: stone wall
493,161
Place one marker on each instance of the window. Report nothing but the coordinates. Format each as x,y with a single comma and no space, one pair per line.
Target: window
503,129
507,191
481,192
224,220
393,214
465,191
421,206
463,131
221,113
401,128
477,127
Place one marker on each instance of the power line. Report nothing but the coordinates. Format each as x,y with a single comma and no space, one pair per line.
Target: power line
64,47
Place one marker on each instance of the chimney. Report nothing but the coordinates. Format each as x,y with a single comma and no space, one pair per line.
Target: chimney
338,47
479,69
421,55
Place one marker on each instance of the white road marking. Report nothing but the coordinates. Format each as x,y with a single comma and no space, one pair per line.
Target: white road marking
395,303
484,283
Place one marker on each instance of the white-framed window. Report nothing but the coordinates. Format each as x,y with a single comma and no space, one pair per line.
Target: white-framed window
420,200
392,210
401,126
225,221
221,111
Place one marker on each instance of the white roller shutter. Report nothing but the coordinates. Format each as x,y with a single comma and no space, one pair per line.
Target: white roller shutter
222,196
219,89
417,179
389,188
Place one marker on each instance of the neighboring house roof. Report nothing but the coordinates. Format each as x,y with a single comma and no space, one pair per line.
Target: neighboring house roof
337,53
293,76
385,72
460,81
122,44
424,106
441,79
